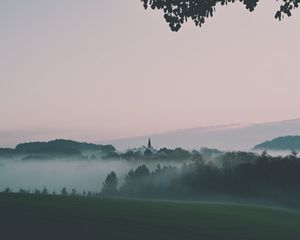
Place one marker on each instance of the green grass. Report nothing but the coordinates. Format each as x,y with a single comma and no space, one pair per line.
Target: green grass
50,217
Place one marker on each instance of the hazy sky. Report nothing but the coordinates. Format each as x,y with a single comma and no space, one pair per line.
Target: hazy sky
104,69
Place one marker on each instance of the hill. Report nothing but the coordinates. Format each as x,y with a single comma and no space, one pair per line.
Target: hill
223,137
55,147
53,217
281,143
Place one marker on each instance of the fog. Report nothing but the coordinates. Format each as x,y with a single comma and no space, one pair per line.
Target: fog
274,153
83,175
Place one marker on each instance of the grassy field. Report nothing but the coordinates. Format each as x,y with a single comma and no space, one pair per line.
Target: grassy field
50,217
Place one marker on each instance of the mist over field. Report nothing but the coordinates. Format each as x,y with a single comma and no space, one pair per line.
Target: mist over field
82,175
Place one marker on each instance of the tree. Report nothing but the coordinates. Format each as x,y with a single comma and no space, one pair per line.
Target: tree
7,190
138,174
110,184
22,191
45,191
64,191
294,155
177,12
73,192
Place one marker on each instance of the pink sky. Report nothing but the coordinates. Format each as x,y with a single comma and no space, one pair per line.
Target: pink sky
95,70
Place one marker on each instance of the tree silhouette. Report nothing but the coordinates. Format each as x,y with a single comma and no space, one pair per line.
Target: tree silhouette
7,190
110,184
73,192
64,191
177,12
45,191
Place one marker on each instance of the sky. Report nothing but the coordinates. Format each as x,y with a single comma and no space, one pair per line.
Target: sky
99,70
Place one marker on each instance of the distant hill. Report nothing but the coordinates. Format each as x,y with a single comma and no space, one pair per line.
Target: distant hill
224,137
61,146
231,137
6,151
281,143
56,147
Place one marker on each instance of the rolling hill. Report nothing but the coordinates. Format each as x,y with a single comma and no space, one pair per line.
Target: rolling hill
55,147
223,137
285,143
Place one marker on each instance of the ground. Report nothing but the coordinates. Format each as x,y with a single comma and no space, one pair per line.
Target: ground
56,217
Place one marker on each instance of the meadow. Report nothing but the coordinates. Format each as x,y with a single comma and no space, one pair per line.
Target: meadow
59,217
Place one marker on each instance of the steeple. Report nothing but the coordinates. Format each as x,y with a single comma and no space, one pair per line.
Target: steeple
149,143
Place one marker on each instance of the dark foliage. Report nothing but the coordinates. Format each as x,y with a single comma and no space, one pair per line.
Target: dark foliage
274,179
110,185
64,191
6,151
161,154
177,12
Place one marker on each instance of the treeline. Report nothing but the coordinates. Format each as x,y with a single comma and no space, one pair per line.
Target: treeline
231,176
162,154
63,192
254,177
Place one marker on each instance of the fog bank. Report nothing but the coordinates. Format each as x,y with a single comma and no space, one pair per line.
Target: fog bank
83,175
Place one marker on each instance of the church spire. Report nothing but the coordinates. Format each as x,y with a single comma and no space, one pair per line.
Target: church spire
149,143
